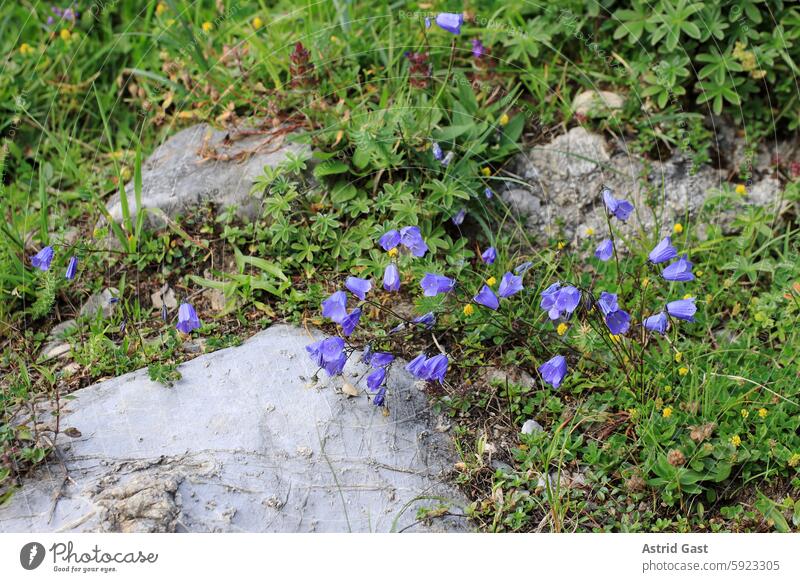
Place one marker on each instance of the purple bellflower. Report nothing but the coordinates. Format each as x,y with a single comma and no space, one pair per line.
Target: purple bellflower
554,370
376,378
604,250
620,208
432,284
682,309
510,285
391,278
389,240
411,238
663,251
618,321
187,318
489,255
358,287
658,323
335,307
43,258
487,298
450,22
350,321
680,270
72,268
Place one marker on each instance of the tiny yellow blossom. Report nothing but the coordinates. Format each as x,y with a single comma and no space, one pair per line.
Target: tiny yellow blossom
589,231
709,298
741,189
614,338
486,171
667,412
25,49
688,296
677,228
745,413
667,388
645,282
491,281
633,413
207,26
393,252
65,34
562,328
504,119
794,460
561,244
469,309
683,371
258,23
762,413
161,8
736,440
698,273
678,357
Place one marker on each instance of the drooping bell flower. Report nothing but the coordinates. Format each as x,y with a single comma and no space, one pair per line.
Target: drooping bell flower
391,278
381,359
411,238
663,251
328,354
554,370
43,258
523,268
428,320
509,285
618,321
187,318
680,270
620,208
72,268
450,22
358,287
487,298
682,309
433,284
458,219
390,240
335,307
436,149
657,323
416,367
489,255
436,368
350,321
604,250
608,302
380,397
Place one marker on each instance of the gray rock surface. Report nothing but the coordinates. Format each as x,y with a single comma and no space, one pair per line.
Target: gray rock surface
201,164
243,442
565,178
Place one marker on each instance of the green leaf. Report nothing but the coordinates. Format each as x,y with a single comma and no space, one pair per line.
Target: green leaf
330,167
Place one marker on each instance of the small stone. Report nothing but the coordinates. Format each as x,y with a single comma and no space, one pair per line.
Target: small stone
54,350
531,426
597,103
164,296
216,299
100,302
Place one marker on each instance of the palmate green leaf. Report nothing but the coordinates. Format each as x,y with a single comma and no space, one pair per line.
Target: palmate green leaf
632,22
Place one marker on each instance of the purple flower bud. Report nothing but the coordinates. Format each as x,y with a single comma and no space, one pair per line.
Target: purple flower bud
554,370
458,219
72,268
478,50
432,284
335,307
427,22
663,251
489,255
437,152
391,278
488,193
43,258
604,250
680,270
658,323
411,238
523,268
376,378
380,397
187,318
428,320
450,22
682,309
448,158
164,314
618,322
487,298
366,357
389,240
358,287
509,285
350,321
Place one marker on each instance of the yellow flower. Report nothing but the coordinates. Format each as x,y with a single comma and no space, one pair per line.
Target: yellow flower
589,231
745,413
633,413
794,460
207,26
667,412
741,189
504,119
257,23
486,171
709,298
65,34
667,388
491,281
688,296
393,252
683,371
561,244
736,440
762,413
161,8
645,282
469,309
562,328
677,228
698,273
25,49
678,357
614,338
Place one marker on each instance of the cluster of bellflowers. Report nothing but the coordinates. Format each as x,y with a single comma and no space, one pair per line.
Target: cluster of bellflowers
188,320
